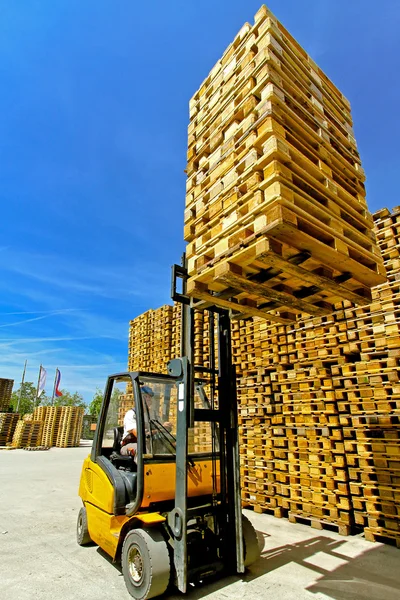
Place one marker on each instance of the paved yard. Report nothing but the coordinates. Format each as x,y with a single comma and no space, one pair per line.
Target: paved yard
41,560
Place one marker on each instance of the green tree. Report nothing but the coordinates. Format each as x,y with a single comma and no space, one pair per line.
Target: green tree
68,399
95,405
28,398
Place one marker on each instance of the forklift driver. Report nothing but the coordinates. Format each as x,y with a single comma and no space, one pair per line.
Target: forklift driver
129,437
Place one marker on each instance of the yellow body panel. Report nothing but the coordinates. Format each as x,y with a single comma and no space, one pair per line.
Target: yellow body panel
95,487
104,529
159,481
97,493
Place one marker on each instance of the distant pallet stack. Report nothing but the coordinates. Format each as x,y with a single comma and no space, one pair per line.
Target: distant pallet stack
176,330
140,334
6,386
27,433
150,340
51,425
70,427
276,219
125,403
162,338
8,423
39,413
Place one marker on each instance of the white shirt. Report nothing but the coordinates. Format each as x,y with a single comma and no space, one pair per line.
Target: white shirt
129,422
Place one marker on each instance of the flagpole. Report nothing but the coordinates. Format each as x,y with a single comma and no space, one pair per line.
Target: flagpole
22,385
54,387
37,389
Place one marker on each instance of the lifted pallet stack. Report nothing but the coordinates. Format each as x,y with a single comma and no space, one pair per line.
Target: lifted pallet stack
276,218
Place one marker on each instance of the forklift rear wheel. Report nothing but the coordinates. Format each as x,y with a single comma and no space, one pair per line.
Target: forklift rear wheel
251,547
82,532
145,563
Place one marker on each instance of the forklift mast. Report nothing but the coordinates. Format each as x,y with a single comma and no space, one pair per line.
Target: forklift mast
220,411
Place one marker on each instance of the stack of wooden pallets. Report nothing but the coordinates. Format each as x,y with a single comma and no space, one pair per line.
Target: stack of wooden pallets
6,386
162,338
70,427
176,330
276,218
50,425
27,433
338,389
39,414
368,391
125,404
8,423
139,336
150,340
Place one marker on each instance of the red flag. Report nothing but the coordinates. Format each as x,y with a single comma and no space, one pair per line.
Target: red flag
58,379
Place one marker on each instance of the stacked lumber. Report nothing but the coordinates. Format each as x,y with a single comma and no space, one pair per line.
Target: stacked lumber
276,218
70,426
8,423
27,433
6,386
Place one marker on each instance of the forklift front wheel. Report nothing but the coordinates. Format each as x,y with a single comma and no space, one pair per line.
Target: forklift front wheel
251,547
82,532
145,563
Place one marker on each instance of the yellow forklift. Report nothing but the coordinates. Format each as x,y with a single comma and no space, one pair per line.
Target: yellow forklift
171,513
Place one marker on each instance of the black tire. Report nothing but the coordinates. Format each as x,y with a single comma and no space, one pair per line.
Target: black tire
82,533
251,547
145,563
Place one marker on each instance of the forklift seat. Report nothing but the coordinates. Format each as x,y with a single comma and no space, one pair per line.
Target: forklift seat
126,462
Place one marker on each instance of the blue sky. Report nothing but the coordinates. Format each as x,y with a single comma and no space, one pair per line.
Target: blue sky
93,127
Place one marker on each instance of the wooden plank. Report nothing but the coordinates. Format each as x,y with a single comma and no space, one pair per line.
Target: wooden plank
199,291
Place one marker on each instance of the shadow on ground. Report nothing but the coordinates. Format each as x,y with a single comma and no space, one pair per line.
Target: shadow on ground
339,576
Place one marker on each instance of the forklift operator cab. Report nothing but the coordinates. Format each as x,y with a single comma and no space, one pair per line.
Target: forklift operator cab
114,488
149,477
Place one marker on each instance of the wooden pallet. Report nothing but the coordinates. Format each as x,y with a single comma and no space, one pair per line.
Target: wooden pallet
343,528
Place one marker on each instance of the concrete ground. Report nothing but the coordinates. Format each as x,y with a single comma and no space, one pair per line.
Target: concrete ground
40,559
